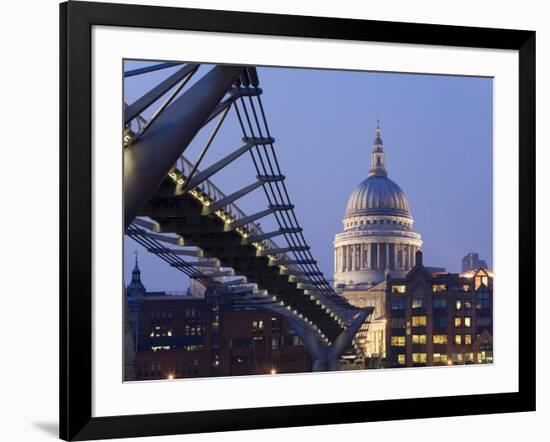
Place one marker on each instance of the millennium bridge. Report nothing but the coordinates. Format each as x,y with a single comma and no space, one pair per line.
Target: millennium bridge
176,212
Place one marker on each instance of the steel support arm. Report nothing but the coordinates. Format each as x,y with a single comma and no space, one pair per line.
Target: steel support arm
148,161
146,69
344,339
138,106
181,252
278,251
263,236
220,273
291,262
251,218
216,205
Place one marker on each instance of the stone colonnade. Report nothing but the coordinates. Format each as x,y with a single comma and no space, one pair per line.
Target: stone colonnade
374,255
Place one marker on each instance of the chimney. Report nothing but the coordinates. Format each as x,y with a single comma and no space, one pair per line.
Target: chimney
419,258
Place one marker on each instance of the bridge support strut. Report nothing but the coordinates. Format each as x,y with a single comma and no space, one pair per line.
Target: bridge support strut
148,161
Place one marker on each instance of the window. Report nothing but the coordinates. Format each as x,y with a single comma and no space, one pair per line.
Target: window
457,357
439,358
458,339
440,321
468,357
418,321
240,343
274,343
275,325
401,359
482,300
483,322
397,323
257,326
240,360
419,339
458,304
398,289
467,304
258,341
458,321
418,303
419,358
467,321
468,339
397,304
466,287
481,281
439,303
439,339
398,341
439,287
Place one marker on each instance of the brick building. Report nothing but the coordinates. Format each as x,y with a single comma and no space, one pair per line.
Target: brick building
439,318
179,335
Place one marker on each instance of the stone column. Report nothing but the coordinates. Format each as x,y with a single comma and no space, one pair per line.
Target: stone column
343,258
368,248
387,255
378,255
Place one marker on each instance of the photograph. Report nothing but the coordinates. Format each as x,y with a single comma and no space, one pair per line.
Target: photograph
288,221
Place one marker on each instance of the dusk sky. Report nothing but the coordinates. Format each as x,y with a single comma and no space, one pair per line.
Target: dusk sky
437,133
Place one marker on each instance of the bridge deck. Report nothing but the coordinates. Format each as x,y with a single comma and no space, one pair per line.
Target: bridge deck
183,215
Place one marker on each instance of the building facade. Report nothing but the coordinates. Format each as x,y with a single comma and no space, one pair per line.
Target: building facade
182,335
440,318
378,240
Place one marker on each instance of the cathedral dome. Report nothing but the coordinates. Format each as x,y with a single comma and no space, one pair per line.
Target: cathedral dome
378,195
378,239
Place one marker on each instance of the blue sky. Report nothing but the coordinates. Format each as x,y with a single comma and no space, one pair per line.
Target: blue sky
437,133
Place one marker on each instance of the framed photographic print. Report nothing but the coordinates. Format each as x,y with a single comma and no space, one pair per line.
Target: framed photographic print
273,220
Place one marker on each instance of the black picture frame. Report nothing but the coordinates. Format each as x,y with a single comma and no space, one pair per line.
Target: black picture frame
76,21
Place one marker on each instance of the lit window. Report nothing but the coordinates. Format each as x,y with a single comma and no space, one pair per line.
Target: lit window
467,321
398,341
467,304
398,289
458,304
440,339
439,358
458,321
481,281
257,325
417,303
468,357
468,339
458,339
401,359
418,321
439,287
419,358
418,339
466,287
